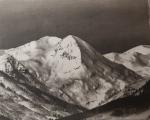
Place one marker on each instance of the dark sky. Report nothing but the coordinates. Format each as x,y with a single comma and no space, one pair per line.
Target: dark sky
108,25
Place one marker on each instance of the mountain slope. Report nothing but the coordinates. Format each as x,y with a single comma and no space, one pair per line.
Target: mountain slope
73,71
135,106
136,59
24,97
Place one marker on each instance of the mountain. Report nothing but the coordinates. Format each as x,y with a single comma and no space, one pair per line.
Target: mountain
73,71
136,59
134,106
53,78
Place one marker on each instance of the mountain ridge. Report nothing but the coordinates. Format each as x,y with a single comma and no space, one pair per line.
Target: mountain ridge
71,62
67,70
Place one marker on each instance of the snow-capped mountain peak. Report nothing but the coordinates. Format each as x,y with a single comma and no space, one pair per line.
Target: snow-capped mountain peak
52,77
73,70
